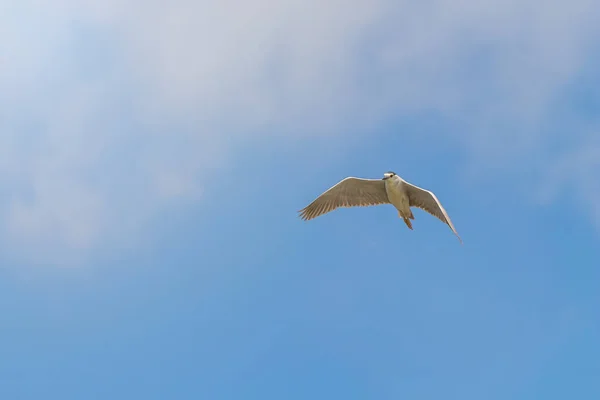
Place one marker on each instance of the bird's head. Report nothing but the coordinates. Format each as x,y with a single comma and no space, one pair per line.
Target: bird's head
388,175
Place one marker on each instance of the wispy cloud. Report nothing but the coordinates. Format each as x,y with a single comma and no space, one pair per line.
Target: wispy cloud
111,110
576,173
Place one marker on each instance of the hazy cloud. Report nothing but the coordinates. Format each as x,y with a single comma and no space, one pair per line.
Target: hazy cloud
111,110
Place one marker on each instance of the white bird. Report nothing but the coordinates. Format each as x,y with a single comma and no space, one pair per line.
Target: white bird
391,189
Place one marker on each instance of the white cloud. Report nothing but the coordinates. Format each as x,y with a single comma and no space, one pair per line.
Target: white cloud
110,110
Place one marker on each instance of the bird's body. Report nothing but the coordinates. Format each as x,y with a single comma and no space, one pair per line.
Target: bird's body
397,193
392,189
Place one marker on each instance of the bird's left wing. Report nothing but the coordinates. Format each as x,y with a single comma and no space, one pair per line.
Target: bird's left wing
427,201
349,192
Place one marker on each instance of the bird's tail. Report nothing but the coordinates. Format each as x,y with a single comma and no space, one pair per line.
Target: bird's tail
407,220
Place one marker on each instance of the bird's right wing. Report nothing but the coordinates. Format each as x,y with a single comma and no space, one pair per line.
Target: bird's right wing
427,201
349,192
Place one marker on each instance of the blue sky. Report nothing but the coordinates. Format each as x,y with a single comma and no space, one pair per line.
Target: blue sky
154,158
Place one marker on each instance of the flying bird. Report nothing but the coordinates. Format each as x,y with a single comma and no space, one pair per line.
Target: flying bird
391,189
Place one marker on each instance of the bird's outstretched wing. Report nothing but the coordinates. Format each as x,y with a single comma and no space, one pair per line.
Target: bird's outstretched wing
427,201
349,192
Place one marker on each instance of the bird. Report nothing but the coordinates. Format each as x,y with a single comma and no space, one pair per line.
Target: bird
391,189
